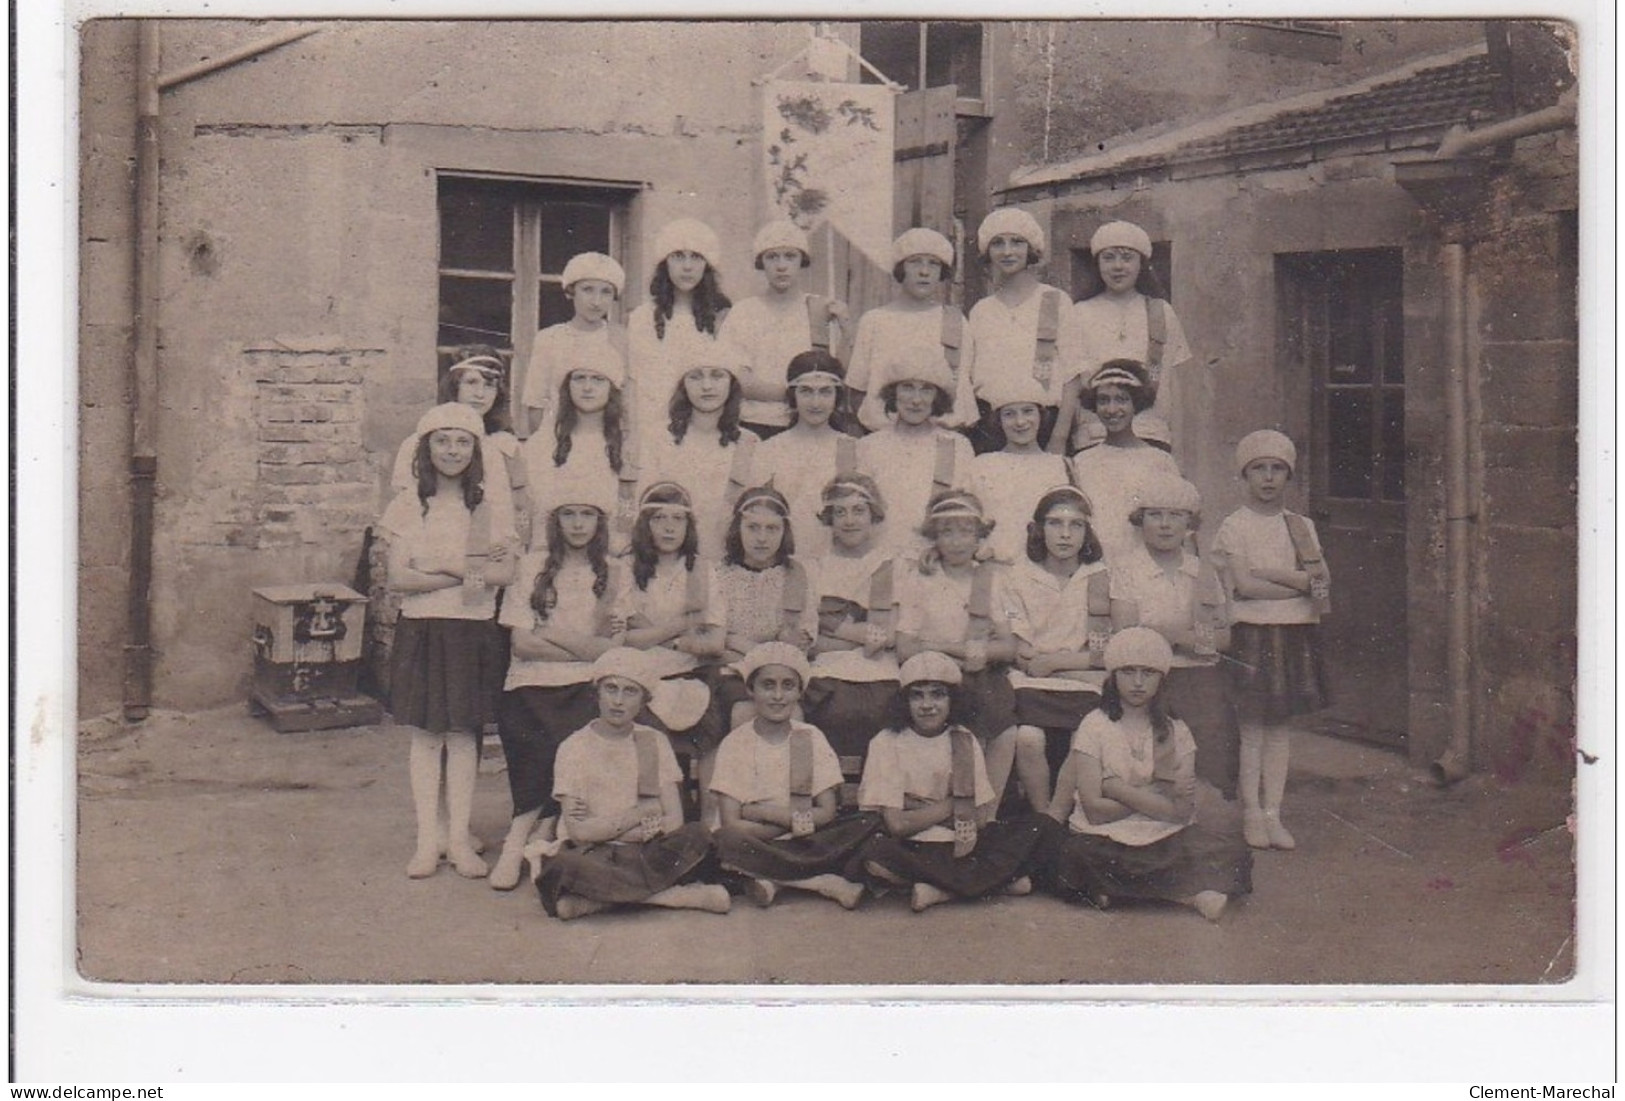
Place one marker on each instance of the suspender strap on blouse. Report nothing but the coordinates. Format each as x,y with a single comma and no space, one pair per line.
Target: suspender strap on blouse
962,773
477,553
980,605
942,469
801,770
739,470
882,597
952,336
1309,559
1049,327
818,322
694,588
643,739
626,496
846,454
1156,332
794,600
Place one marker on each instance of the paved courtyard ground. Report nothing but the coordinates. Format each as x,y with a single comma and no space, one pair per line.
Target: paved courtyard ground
213,850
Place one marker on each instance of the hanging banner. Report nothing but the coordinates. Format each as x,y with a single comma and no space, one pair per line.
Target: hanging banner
828,158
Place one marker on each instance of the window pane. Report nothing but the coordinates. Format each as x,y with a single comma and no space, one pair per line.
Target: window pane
893,47
475,310
476,226
551,305
1349,345
569,228
1393,444
953,55
1393,333
1348,430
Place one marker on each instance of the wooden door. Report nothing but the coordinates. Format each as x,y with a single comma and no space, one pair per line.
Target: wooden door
927,133
1343,336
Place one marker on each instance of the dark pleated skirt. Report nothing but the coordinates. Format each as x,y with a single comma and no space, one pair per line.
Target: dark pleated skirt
850,713
446,674
1082,867
1276,671
990,700
1003,853
826,851
1053,708
1200,695
534,723
621,873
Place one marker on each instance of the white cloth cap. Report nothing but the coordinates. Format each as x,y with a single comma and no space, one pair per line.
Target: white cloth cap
919,363
1021,388
1168,491
920,241
580,484
774,653
599,357
929,666
1120,235
453,414
624,661
1266,443
782,233
594,265
687,235
1140,647
1153,429
721,352
1013,221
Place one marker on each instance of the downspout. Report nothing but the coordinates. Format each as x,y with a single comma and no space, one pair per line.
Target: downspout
1459,140
1457,760
143,373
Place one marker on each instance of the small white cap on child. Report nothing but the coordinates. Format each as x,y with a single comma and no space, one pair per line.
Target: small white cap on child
1010,221
1120,235
600,359
1168,491
1153,430
453,414
920,241
687,235
579,484
594,265
929,666
1140,647
781,233
712,353
1016,390
774,653
628,664
1266,443
919,363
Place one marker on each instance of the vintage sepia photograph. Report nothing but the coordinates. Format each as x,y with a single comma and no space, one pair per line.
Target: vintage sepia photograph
907,503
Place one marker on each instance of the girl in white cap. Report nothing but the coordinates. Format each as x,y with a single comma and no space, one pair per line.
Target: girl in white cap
583,439
916,321
854,675
926,776
478,378
1130,827
682,319
1111,472
774,327
952,602
560,610
450,549
593,283
1167,588
1277,573
1013,478
1127,316
777,784
801,460
1019,329
912,454
622,838
1060,598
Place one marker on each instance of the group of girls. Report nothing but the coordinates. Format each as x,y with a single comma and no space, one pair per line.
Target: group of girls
693,555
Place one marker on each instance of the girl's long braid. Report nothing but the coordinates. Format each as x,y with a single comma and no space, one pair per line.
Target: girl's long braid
1162,719
544,596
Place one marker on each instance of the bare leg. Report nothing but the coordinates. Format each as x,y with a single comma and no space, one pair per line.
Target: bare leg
711,897
505,876
423,766
1252,771
462,769
1001,757
831,886
1277,752
1210,904
1032,767
926,896
574,906
704,766
1066,790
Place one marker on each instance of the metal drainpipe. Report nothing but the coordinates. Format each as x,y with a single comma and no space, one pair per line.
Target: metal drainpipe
143,374
1457,760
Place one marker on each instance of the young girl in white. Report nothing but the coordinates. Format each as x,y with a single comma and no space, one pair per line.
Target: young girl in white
478,378
1127,316
952,603
1130,830
1019,329
854,675
913,323
1273,562
560,611
911,453
680,322
1012,479
1060,597
703,446
582,441
450,550
1112,471
816,446
622,838
926,777
777,782
774,327
1167,588
593,283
